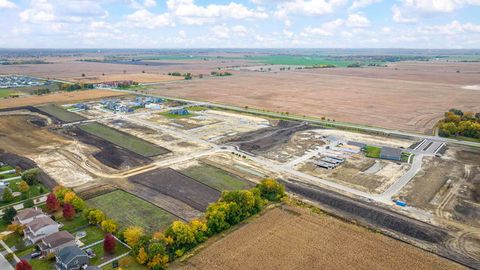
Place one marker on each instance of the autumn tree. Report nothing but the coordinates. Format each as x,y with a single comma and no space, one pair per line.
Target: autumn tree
69,196
132,235
182,234
23,265
23,187
109,243
68,211
78,203
271,190
95,216
142,256
60,192
7,195
52,203
109,226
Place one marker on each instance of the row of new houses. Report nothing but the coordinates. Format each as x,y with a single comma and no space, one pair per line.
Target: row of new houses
43,231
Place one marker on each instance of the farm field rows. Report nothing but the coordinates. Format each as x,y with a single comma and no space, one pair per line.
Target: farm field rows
124,140
64,97
282,238
407,105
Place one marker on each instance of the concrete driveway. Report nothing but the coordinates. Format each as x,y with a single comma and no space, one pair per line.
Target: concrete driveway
4,264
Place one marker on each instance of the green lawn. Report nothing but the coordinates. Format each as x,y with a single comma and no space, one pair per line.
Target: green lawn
94,234
71,225
130,210
372,151
8,175
176,116
33,192
124,140
133,265
102,257
4,93
60,113
6,168
215,178
42,264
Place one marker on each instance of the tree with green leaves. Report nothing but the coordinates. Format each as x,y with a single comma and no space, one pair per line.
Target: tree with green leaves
7,195
31,176
9,214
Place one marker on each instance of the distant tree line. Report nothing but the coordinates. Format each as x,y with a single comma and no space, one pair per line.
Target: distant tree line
76,86
459,123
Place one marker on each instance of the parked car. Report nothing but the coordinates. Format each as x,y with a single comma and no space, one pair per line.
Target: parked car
90,253
35,254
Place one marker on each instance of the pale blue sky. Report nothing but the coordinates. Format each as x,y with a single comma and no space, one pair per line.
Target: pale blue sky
240,23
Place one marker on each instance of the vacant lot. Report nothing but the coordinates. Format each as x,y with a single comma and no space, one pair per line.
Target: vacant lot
124,140
130,210
408,104
292,238
60,113
215,177
18,135
58,98
176,185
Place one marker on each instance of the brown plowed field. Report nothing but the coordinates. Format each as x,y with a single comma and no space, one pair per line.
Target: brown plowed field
63,97
409,105
292,238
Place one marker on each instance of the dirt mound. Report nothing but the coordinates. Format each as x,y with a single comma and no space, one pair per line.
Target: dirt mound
264,139
25,164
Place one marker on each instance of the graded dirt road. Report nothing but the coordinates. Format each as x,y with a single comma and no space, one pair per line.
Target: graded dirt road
407,105
63,97
293,238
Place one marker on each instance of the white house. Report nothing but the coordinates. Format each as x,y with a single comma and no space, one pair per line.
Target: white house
39,228
55,242
26,216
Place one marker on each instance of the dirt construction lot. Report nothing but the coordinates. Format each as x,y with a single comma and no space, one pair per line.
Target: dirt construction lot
292,238
57,98
403,103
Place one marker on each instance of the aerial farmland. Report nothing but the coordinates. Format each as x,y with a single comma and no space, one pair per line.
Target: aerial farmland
166,151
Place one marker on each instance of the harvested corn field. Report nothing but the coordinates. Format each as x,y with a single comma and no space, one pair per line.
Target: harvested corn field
293,238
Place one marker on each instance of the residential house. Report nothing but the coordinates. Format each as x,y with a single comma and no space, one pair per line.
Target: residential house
39,228
180,112
391,153
71,258
55,242
26,215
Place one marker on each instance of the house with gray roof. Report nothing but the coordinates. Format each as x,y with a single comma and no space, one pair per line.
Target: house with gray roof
71,258
55,242
26,215
391,153
39,228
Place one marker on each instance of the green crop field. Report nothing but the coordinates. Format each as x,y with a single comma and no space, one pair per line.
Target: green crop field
124,140
299,60
130,210
215,178
60,113
4,93
176,116
372,151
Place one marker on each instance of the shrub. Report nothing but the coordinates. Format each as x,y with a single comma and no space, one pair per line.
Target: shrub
271,190
31,176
